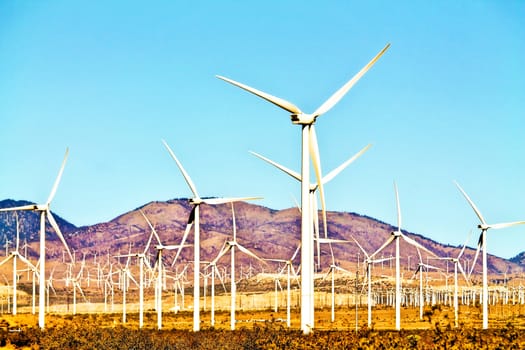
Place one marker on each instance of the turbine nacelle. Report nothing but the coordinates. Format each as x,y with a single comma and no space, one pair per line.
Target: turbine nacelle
303,119
195,201
483,227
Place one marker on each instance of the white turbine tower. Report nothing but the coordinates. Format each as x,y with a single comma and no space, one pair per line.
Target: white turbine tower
289,270
369,262
159,267
196,201
457,265
230,247
215,271
313,188
308,148
482,244
395,235
45,212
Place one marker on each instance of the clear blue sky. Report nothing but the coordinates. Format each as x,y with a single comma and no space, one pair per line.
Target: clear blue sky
110,79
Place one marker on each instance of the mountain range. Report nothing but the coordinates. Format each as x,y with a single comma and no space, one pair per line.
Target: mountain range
266,232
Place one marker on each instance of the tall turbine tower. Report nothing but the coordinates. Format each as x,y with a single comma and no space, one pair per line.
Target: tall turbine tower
482,244
308,148
395,237
45,212
196,201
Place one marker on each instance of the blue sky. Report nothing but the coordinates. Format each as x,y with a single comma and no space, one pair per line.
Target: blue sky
110,79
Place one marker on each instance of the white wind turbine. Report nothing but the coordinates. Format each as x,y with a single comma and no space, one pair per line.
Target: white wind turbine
289,270
482,244
331,271
420,266
194,218
395,235
308,148
159,266
143,261
369,262
215,271
313,188
45,212
15,255
457,265
230,246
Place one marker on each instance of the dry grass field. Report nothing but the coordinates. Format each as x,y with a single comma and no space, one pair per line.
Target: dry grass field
266,329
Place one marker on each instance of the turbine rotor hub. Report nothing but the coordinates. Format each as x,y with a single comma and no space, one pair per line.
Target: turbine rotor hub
303,119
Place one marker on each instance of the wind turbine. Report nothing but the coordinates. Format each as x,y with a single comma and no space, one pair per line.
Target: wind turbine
420,266
369,262
482,244
230,247
215,271
15,255
45,212
457,265
395,235
313,188
289,270
331,271
160,268
143,262
194,218
308,148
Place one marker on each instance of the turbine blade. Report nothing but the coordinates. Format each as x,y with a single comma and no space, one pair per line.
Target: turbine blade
327,178
247,252
388,241
153,231
226,248
214,201
57,181
296,252
9,257
23,207
338,95
184,237
463,272
507,224
476,256
464,245
292,173
359,245
184,173
416,244
316,158
476,210
54,224
288,106
398,208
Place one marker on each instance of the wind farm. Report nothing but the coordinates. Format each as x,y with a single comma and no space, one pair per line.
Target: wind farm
114,239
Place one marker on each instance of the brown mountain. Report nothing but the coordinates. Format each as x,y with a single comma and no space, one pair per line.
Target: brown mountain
268,233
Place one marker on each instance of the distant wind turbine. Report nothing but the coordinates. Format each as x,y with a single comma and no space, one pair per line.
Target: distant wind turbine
369,262
309,149
289,270
45,212
230,247
457,265
482,245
